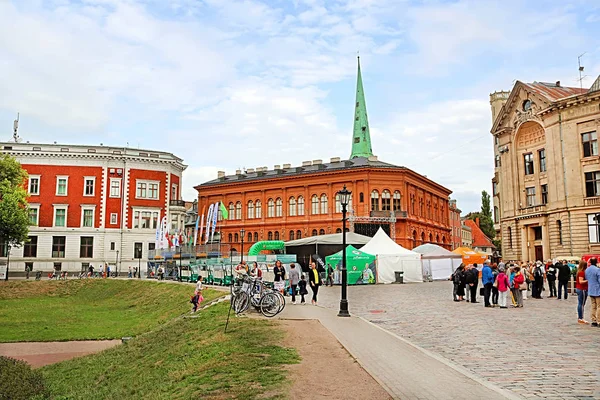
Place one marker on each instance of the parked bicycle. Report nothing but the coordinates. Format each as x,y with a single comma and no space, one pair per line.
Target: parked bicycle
248,291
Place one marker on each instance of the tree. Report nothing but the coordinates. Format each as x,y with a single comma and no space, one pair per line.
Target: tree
486,223
14,214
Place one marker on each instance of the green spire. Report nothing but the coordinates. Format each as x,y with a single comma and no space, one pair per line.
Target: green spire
361,138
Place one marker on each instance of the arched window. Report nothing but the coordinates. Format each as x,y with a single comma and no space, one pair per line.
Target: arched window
324,208
258,209
374,200
444,216
230,238
437,238
361,197
421,207
430,238
270,235
414,238
278,207
436,214
256,236
396,203
509,237
236,238
338,203
443,239
292,207
298,234
238,210
429,209
249,236
321,231
412,204
422,237
250,211
276,235
291,235
496,214
270,208
315,205
314,232
231,211
385,200
300,205
338,230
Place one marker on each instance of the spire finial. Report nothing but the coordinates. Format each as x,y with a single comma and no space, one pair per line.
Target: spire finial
361,137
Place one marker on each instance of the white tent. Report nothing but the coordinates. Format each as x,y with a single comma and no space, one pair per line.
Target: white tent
438,262
392,257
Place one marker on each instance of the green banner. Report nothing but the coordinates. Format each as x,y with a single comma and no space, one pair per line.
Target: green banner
360,266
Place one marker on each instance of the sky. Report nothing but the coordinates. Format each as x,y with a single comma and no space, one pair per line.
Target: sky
230,84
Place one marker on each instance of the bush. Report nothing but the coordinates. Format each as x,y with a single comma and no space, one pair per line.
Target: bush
18,381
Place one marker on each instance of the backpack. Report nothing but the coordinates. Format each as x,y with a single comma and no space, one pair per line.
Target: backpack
537,272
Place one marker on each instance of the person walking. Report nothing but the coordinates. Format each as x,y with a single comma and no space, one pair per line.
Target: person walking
302,289
487,279
130,273
564,274
473,280
518,282
279,280
315,281
294,280
465,273
503,286
495,273
592,275
551,277
329,281
581,287
459,285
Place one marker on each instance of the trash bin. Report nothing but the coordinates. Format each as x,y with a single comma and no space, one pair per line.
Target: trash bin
399,276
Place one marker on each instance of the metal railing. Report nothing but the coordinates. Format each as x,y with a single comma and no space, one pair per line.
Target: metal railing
177,203
532,209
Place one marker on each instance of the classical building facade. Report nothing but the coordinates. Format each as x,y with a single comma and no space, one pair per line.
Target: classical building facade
291,202
455,225
466,236
94,204
546,185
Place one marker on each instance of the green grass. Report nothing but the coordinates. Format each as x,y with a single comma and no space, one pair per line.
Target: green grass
89,309
187,358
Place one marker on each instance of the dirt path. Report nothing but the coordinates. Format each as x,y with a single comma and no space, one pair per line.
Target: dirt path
326,371
38,354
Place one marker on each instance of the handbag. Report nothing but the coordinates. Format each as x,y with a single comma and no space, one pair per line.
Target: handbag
482,291
523,286
496,283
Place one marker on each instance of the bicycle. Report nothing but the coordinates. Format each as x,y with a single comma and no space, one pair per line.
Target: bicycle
249,291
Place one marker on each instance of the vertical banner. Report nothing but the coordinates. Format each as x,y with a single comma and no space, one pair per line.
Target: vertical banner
214,222
209,214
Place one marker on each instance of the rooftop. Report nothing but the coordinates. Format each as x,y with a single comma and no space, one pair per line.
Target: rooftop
479,238
553,91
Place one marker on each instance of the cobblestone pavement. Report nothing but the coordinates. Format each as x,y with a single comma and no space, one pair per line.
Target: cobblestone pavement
537,352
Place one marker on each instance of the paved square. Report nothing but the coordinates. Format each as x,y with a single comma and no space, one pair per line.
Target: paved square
537,352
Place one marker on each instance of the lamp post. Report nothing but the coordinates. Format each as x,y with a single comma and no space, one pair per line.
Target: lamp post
344,195
242,233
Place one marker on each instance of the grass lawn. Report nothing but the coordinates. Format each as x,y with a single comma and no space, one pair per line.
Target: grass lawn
187,358
89,308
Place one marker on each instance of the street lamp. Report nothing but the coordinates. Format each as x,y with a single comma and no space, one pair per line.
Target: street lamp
242,233
344,195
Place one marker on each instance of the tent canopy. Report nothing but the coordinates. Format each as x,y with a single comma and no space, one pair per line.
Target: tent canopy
356,262
382,244
430,250
470,256
334,238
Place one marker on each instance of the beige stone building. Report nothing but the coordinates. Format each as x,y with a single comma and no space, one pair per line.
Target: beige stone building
546,185
466,235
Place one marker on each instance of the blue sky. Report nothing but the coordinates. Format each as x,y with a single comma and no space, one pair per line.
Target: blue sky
234,84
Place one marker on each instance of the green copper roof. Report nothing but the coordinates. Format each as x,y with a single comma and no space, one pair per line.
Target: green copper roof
361,138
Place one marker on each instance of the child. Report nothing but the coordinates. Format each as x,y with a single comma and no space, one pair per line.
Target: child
303,291
197,297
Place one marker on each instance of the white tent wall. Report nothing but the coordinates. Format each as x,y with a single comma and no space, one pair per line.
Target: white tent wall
388,264
440,269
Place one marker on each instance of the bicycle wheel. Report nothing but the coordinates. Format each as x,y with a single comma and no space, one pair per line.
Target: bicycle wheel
281,302
241,302
269,305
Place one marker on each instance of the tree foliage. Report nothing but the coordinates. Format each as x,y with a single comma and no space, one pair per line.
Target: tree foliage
14,214
486,223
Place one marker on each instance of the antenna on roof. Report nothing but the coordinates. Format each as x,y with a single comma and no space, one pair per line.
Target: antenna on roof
16,137
581,68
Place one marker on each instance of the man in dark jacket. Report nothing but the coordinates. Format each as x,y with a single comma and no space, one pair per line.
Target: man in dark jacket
564,274
551,277
472,278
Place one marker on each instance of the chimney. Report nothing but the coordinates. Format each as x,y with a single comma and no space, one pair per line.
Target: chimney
306,163
287,166
220,174
250,170
317,162
372,158
277,166
334,160
238,171
557,83
477,221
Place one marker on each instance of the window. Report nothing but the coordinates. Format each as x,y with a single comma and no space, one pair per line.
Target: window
590,144
594,228
361,197
30,247
530,193
292,207
153,191
321,231
497,161
314,232
236,237
34,184
270,208
249,236
291,235
496,216
86,248
238,210
592,184
429,209
315,205
412,204
230,238
528,159
544,194
298,234
494,188
61,185
146,190
174,192
276,235
324,207
300,205
113,218
537,233
256,236
374,200
542,157
115,187
147,219
112,246
559,230
34,215
258,208
145,222
231,211
397,201
250,211
88,186
270,235
87,218
421,207
510,237
58,246
338,203
338,230
138,250
136,220
151,246
60,216
278,207
141,190
385,200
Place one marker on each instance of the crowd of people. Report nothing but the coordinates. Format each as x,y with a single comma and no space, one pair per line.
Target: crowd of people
515,280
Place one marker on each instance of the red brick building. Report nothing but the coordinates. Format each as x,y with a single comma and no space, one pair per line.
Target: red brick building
290,202
455,225
95,204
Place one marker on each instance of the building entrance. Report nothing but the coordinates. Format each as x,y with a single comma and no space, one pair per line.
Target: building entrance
539,253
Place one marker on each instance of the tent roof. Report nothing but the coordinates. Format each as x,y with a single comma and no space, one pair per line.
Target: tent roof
334,238
465,251
430,250
381,243
351,252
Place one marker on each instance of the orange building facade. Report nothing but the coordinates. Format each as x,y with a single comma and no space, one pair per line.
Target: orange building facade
455,225
287,203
